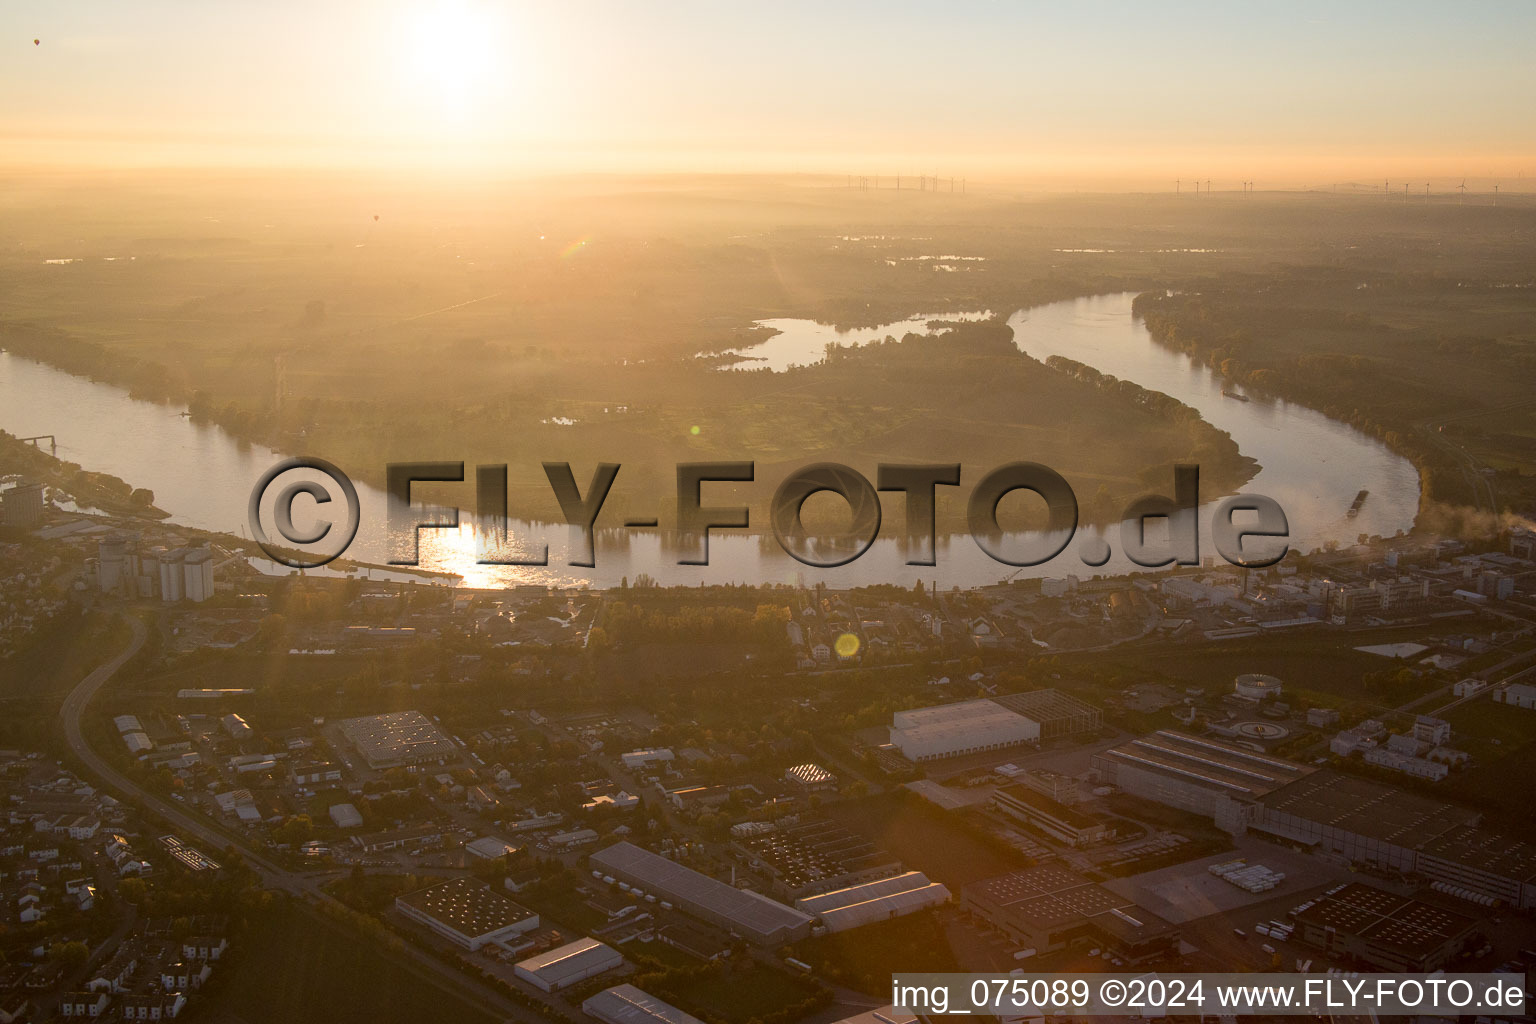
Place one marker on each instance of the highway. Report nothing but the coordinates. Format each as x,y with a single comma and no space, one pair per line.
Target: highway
307,890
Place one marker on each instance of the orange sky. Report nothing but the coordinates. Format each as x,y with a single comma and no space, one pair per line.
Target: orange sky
1082,94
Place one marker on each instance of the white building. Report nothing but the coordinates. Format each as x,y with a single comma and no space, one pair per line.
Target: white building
626,1004
467,912
172,575
1521,695
634,760
346,816
197,580
1434,731
947,730
1257,686
1417,767
568,964
880,900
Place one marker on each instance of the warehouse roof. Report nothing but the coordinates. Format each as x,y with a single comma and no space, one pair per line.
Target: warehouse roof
571,960
1211,764
626,1004
1367,808
747,910
467,906
1052,897
1488,850
1046,705
1385,919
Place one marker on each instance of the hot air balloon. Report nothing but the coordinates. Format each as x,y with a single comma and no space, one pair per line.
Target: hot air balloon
375,216
37,42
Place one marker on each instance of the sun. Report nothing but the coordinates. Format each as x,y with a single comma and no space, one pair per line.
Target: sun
458,58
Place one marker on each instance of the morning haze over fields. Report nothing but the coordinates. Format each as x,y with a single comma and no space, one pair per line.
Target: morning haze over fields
1290,246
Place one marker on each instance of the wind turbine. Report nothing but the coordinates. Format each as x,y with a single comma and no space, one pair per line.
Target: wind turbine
1495,195
1463,189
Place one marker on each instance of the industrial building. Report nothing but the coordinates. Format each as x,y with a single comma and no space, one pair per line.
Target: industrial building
398,738
881,900
1034,808
967,727
1057,713
22,505
973,726
1048,908
884,1015
1217,780
1257,686
346,816
625,1004
1354,819
490,848
568,964
1520,695
810,776
743,912
635,760
1385,930
815,856
467,912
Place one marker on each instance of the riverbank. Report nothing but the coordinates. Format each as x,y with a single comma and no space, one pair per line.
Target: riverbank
1412,414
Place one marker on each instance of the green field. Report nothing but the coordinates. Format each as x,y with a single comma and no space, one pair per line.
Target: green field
293,967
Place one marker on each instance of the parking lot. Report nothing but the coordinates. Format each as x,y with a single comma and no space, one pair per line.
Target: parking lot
1185,892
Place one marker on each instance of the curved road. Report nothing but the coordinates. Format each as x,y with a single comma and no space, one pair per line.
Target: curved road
420,963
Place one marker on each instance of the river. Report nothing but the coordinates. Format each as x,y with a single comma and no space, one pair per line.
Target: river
1312,465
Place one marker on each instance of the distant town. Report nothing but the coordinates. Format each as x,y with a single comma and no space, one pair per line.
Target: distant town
520,794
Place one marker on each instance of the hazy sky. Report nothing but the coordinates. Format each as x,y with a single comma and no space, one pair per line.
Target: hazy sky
1278,90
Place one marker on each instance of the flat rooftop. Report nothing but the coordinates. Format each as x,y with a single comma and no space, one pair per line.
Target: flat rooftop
626,1004
1047,706
398,737
469,907
816,851
1385,919
570,960
1485,850
747,910
1367,808
1050,896
1047,806
963,712
1237,771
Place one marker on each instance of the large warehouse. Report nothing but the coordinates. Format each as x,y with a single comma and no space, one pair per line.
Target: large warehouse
882,900
755,918
1373,823
1357,819
925,734
1052,817
625,1004
813,856
1058,714
398,738
1048,908
568,964
972,726
1385,930
1221,781
467,912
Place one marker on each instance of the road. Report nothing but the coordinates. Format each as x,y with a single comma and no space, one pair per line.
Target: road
306,889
